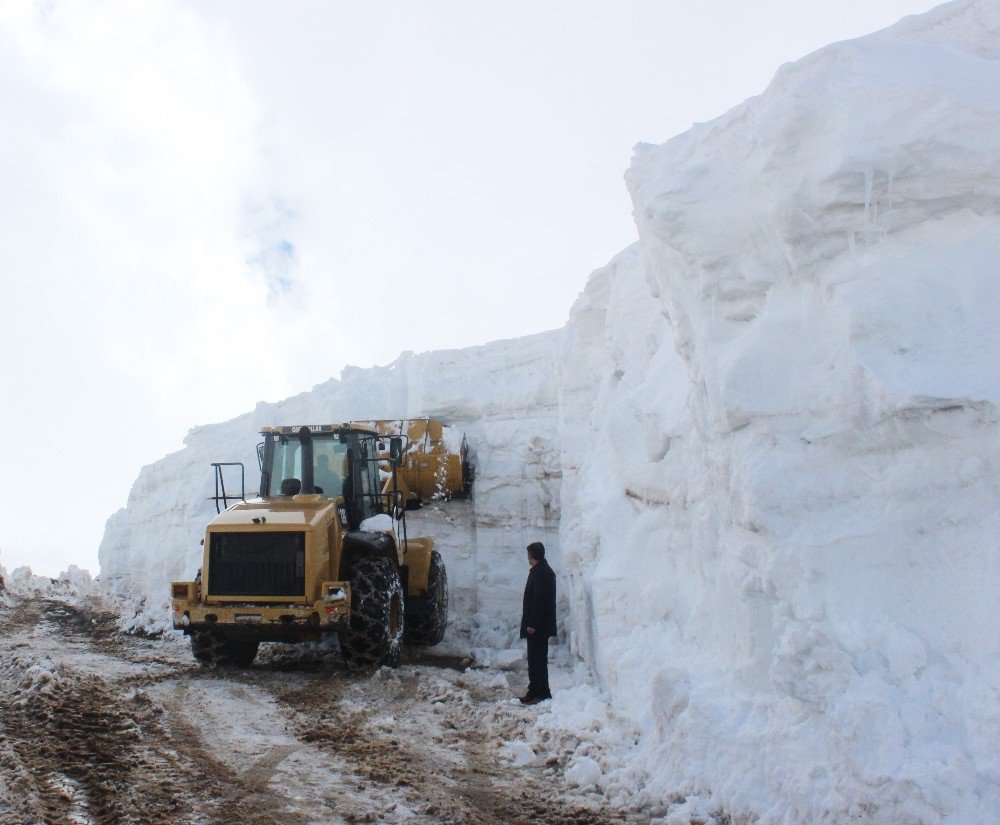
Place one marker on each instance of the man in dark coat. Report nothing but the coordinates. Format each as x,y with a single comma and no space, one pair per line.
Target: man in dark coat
538,623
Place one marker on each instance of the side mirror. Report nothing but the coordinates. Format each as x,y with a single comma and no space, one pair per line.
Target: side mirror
396,450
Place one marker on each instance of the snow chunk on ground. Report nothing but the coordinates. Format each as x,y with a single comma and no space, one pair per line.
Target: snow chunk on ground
520,753
585,773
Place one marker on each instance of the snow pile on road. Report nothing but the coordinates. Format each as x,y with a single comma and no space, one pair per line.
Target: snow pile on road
73,583
502,396
778,418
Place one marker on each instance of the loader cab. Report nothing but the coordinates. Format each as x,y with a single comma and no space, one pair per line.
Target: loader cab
342,462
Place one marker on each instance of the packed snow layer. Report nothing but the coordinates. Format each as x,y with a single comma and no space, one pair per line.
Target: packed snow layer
779,424
501,395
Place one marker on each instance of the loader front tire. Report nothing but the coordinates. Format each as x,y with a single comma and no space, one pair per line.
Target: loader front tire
212,648
375,636
427,616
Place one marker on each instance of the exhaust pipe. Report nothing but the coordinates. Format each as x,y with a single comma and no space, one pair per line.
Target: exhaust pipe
308,479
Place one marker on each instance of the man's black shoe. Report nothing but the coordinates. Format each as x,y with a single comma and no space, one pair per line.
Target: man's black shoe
526,699
534,700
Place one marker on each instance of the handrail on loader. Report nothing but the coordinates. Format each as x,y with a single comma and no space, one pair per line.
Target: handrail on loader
220,485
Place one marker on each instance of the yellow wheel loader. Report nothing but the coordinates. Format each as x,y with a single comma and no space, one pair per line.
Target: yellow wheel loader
323,550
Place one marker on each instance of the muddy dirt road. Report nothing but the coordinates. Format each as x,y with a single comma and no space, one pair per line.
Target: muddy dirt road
100,727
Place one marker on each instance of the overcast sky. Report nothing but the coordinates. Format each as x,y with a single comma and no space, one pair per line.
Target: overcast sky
204,204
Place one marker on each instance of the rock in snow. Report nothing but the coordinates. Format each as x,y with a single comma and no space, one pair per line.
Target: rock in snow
765,442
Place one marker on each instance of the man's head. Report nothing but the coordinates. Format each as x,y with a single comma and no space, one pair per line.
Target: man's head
536,552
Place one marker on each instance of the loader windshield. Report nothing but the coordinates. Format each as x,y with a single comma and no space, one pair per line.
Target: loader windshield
329,464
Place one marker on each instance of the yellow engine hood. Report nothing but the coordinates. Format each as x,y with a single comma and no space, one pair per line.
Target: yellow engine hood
306,512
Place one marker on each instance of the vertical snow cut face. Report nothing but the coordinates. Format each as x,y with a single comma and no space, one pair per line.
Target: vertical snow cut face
778,421
501,395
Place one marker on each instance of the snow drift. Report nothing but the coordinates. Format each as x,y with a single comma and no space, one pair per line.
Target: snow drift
767,438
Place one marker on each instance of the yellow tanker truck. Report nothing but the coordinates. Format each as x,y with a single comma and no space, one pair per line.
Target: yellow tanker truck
324,548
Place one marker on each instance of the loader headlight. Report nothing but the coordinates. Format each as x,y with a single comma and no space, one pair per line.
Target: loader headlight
334,594
181,590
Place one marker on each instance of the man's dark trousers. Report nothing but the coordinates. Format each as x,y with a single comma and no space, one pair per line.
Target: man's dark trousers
538,666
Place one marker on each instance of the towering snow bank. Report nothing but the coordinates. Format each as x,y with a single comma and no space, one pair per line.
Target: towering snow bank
502,395
779,418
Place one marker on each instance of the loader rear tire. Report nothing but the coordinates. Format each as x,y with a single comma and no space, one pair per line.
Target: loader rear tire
375,637
212,648
427,616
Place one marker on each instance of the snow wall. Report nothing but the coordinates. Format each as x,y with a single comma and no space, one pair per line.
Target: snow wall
779,427
766,442
503,396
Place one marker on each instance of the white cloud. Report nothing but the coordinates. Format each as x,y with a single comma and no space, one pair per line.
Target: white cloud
130,147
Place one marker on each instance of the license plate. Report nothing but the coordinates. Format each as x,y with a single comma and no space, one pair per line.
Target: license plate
247,617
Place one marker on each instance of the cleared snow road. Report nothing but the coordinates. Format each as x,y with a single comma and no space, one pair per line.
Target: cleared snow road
100,727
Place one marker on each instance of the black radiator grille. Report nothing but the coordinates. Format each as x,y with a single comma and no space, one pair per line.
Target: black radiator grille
257,564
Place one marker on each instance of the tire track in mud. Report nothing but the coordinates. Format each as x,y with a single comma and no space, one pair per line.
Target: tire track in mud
451,784
77,749
236,797
101,633
91,745
78,731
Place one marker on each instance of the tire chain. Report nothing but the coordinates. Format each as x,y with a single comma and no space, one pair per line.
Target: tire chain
369,643
212,649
